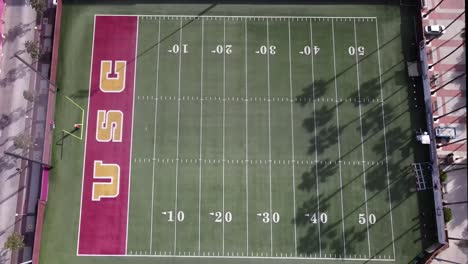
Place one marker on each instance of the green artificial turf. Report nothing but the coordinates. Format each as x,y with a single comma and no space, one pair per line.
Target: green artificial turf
247,119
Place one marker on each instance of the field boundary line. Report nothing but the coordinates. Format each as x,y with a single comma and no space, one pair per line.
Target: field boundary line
131,138
201,136
178,134
269,134
362,138
246,141
155,137
241,257
224,117
243,17
292,139
315,137
385,137
338,137
86,136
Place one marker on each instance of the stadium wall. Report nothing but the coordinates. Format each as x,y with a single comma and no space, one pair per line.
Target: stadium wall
46,157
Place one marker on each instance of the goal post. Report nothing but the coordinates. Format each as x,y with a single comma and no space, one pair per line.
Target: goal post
76,126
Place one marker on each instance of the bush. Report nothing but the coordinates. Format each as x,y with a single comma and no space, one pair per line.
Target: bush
4,121
29,95
23,141
447,214
14,242
39,5
32,48
443,176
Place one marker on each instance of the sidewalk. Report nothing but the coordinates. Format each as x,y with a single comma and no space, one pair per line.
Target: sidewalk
445,100
17,188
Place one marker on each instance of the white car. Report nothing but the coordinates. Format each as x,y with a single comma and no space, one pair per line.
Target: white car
434,30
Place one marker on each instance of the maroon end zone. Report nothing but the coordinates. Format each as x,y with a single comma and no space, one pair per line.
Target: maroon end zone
106,173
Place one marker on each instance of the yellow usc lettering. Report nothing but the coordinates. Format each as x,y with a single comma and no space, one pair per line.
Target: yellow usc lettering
115,84
109,189
109,126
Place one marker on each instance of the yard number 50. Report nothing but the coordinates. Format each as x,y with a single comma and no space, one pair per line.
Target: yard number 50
369,219
352,50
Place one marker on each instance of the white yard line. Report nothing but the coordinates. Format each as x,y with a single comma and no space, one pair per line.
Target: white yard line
201,135
86,138
292,139
131,138
385,138
155,134
362,138
269,133
224,113
315,136
246,144
177,144
338,137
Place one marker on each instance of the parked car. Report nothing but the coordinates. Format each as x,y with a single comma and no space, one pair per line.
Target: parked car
434,30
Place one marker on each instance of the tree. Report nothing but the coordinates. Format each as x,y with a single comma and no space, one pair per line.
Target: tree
32,48
39,5
14,242
443,176
23,141
29,95
447,214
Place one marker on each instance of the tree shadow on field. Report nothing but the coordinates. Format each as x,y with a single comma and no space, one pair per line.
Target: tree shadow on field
312,91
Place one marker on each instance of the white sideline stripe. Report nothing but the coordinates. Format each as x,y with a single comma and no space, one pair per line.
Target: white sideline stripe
269,133
177,144
132,129
213,256
315,140
201,138
86,137
319,18
292,140
246,144
338,137
155,137
224,115
385,138
362,138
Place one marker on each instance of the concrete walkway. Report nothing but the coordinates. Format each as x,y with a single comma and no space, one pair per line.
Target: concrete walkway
444,101
17,28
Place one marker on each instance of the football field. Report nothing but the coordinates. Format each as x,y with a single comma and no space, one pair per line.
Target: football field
224,137
258,137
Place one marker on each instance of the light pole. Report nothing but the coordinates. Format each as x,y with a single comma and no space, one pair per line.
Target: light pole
432,9
447,83
38,73
451,112
437,62
450,143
